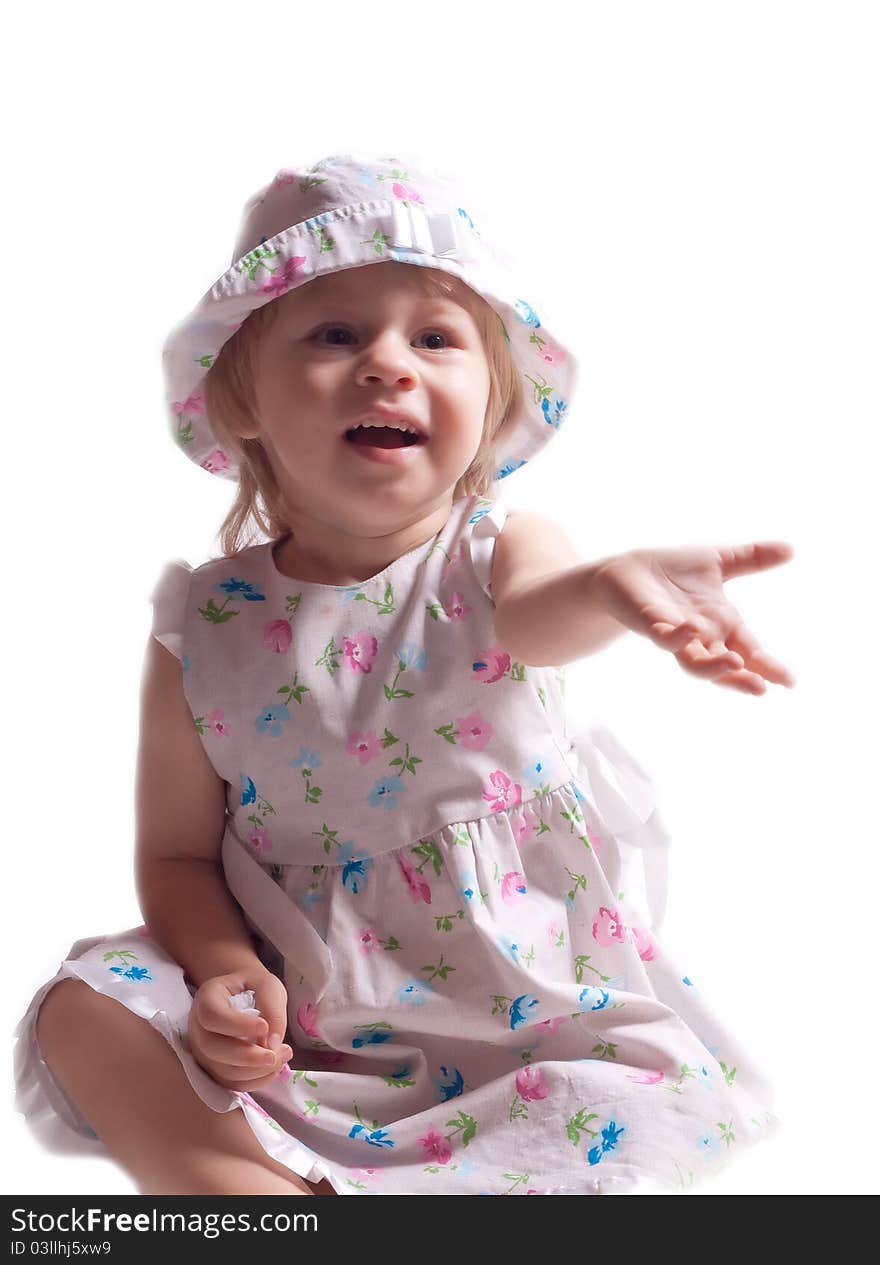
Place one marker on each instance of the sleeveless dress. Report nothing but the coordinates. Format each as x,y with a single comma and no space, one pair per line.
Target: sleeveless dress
462,898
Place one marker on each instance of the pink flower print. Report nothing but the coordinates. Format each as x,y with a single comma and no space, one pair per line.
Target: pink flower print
408,194
364,746
218,724
594,840
525,825
259,839
285,1073
513,887
285,177
435,1146
646,944
277,635
360,651
365,1172
454,559
286,278
194,403
550,1025
530,1084
551,354
215,461
608,928
647,1077
418,888
305,1017
492,665
456,609
501,792
473,731
368,941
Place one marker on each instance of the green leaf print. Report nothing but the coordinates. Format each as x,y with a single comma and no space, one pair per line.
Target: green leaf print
579,1123
329,658
542,695
448,732
442,969
390,944
517,671
330,837
518,1110
542,390
518,1179
388,738
184,434
399,1081
605,1050
443,922
463,1124
254,260
301,1074
726,1131
391,691
500,1004
427,849
124,955
729,1073
579,882
406,763
294,691
310,1107
215,614
434,609
386,606
581,964
378,241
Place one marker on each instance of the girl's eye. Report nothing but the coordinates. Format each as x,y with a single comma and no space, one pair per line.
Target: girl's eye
338,336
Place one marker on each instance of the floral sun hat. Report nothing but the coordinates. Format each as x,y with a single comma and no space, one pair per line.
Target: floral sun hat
345,212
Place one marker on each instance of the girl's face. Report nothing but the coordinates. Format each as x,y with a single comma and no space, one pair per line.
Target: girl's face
369,343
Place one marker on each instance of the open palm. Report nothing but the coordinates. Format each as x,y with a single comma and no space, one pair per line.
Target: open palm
676,597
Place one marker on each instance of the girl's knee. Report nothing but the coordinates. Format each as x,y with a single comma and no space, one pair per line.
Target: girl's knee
70,1009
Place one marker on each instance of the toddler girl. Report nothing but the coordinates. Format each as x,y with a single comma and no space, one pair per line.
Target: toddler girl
400,924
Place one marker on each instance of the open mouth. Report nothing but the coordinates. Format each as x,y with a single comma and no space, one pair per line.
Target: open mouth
383,437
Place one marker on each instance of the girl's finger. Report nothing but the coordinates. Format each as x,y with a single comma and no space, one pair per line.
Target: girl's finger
757,659
746,559
700,661
241,1056
215,1014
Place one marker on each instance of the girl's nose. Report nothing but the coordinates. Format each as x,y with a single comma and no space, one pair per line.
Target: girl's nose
387,360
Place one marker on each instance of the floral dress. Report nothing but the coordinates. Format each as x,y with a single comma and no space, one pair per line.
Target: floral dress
462,898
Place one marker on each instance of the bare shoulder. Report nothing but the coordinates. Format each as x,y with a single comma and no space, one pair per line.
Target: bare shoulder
529,546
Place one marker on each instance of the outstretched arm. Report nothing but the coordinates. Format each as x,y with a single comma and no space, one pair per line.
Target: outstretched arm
552,608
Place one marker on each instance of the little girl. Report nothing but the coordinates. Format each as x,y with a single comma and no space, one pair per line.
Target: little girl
400,924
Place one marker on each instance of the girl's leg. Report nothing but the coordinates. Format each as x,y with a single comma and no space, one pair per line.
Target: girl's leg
130,1086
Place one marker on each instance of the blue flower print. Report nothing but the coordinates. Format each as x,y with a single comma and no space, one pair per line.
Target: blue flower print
464,215
593,998
478,514
704,1076
349,594
527,314
378,1036
412,655
535,772
610,1137
578,793
449,1084
414,992
510,947
306,760
523,1010
708,1144
383,792
316,221
137,974
508,468
408,257
248,790
375,1137
555,416
271,720
240,588
355,867
185,663
685,980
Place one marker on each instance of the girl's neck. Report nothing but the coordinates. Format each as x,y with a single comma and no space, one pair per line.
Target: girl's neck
321,553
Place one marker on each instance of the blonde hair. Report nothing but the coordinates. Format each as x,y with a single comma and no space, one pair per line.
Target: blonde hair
229,400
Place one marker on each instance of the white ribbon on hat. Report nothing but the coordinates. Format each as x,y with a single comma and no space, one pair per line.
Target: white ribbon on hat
428,232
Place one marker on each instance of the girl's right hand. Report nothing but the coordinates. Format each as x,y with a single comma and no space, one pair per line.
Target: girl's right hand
241,1052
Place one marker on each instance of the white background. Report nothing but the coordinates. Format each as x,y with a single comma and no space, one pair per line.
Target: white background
691,190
